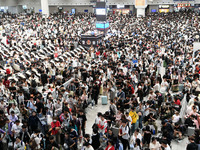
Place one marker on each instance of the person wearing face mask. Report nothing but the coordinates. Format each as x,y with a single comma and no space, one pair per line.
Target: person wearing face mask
55,129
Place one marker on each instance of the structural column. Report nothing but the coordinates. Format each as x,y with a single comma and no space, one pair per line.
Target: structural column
45,7
140,5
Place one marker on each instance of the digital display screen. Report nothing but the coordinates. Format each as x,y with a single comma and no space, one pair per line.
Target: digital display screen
73,11
24,7
102,25
101,12
86,10
153,10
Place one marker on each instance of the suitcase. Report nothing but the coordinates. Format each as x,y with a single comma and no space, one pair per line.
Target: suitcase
104,100
190,131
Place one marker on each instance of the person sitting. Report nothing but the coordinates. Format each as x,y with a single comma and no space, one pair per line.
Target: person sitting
178,130
151,121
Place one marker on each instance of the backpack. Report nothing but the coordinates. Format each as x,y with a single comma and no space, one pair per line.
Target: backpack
132,90
32,143
33,83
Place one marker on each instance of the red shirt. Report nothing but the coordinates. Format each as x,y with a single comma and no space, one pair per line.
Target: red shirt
6,83
53,125
110,148
177,102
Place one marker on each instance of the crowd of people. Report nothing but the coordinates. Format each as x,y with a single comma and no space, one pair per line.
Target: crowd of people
143,66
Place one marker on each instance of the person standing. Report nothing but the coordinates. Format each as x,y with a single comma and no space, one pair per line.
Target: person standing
95,93
134,117
124,134
1,138
83,119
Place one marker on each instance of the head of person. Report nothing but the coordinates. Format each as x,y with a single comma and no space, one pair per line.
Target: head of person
81,112
17,122
153,140
51,139
12,113
110,143
137,131
66,135
124,123
37,132
55,119
33,113
102,117
164,143
87,144
23,128
133,108
18,139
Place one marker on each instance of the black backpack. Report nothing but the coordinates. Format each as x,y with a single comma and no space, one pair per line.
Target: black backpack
33,83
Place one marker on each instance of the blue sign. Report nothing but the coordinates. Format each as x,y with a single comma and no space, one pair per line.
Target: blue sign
102,25
40,10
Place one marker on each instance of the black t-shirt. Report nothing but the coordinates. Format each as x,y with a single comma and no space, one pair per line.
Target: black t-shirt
192,146
39,106
82,119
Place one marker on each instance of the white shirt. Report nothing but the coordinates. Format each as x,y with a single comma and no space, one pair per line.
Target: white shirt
175,118
125,130
133,138
17,129
37,140
154,146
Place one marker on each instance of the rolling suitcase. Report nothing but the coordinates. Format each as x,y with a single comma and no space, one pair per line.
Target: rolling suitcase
190,131
104,100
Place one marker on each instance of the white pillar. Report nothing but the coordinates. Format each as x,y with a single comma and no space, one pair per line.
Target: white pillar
45,7
140,12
